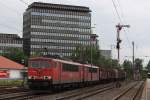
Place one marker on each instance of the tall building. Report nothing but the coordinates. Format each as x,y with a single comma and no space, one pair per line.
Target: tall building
10,41
56,29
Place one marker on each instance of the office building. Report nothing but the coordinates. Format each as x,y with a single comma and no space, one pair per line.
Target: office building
8,41
56,29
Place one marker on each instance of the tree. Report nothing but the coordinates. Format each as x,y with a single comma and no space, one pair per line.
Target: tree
16,55
114,63
127,65
86,54
138,64
36,54
83,54
148,66
138,67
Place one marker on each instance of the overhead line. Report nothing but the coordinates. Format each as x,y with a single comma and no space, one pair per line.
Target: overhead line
124,20
24,2
116,11
121,19
121,10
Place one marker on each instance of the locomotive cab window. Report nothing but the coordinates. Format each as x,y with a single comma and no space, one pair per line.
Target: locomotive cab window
39,64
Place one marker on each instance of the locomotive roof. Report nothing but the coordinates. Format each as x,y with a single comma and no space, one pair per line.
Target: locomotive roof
75,63
68,62
37,58
89,65
64,61
59,60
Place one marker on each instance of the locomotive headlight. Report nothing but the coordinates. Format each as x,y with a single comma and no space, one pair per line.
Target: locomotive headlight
30,77
47,77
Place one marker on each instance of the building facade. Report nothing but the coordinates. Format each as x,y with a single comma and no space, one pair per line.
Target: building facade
10,41
56,29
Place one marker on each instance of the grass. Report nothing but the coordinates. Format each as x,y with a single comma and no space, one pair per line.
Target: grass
11,82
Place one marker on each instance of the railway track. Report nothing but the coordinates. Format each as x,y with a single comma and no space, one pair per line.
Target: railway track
14,96
85,94
130,93
78,94
9,93
12,90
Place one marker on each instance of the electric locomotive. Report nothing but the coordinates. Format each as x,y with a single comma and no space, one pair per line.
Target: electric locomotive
46,73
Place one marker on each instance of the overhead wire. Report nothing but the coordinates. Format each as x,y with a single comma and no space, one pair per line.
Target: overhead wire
24,2
121,18
121,10
116,11
124,20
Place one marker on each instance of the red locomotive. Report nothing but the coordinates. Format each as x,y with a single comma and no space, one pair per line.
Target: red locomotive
49,72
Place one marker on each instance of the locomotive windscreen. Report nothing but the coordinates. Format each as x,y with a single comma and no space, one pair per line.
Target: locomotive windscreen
39,64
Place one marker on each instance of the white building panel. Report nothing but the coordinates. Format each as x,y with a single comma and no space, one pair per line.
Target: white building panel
15,74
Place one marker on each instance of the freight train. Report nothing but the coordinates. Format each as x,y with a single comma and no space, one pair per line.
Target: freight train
44,73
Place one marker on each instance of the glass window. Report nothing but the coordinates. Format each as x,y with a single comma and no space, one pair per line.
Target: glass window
34,64
39,64
71,68
93,70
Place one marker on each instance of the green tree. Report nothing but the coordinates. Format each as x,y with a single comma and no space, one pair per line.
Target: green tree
36,54
138,64
148,66
127,65
86,54
83,53
16,55
114,63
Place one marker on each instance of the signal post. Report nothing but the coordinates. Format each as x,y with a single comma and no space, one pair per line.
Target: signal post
119,28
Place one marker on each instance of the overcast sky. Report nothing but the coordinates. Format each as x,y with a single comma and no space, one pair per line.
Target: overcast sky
133,12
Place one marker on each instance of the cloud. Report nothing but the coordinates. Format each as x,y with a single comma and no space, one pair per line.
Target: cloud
136,13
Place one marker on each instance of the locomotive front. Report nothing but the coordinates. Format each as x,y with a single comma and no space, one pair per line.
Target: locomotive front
39,73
